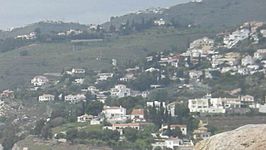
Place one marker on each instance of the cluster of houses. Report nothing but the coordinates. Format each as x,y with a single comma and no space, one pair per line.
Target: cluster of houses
203,49
208,104
247,30
6,94
118,117
30,36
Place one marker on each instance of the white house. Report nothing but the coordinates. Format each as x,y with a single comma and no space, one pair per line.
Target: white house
152,69
84,118
76,71
174,143
235,37
183,128
206,105
260,54
39,80
156,104
29,36
247,60
262,108
159,22
263,33
137,115
104,76
79,81
46,98
95,121
93,89
120,91
248,100
195,74
115,114
75,98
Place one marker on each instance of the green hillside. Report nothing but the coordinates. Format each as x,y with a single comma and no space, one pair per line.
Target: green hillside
210,17
209,13
45,28
40,58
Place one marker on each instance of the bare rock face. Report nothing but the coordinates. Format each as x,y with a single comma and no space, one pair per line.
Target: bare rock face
249,137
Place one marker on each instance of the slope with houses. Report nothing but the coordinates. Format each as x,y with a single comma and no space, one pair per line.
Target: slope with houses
195,67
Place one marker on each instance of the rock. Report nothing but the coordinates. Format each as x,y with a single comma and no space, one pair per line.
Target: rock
249,137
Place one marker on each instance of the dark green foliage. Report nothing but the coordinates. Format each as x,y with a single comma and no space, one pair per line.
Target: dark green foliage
24,53
94,107
127,102
10,137
38,127
181,111
158,115
143,81
103,135
131,134
192,124
159,95
71,134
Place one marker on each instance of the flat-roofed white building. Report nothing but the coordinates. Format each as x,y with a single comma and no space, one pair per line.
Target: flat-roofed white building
75,98
46,98
115,114
39,80
120,91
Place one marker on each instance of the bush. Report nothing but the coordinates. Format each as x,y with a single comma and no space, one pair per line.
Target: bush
24,53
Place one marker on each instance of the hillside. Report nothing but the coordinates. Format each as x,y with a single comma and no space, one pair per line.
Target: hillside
210,16
209,13
53,57
45,27
34,143
249,137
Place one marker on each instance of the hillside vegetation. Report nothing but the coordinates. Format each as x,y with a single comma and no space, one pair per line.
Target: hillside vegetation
209,13
19,65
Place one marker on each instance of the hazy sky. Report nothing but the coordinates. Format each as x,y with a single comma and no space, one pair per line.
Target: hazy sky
14,13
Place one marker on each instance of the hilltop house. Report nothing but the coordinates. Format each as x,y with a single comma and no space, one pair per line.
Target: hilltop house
29,36
159,22
46,98
115,114
120,91
39,80
75,98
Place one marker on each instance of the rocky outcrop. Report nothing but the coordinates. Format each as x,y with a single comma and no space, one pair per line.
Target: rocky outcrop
249,137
